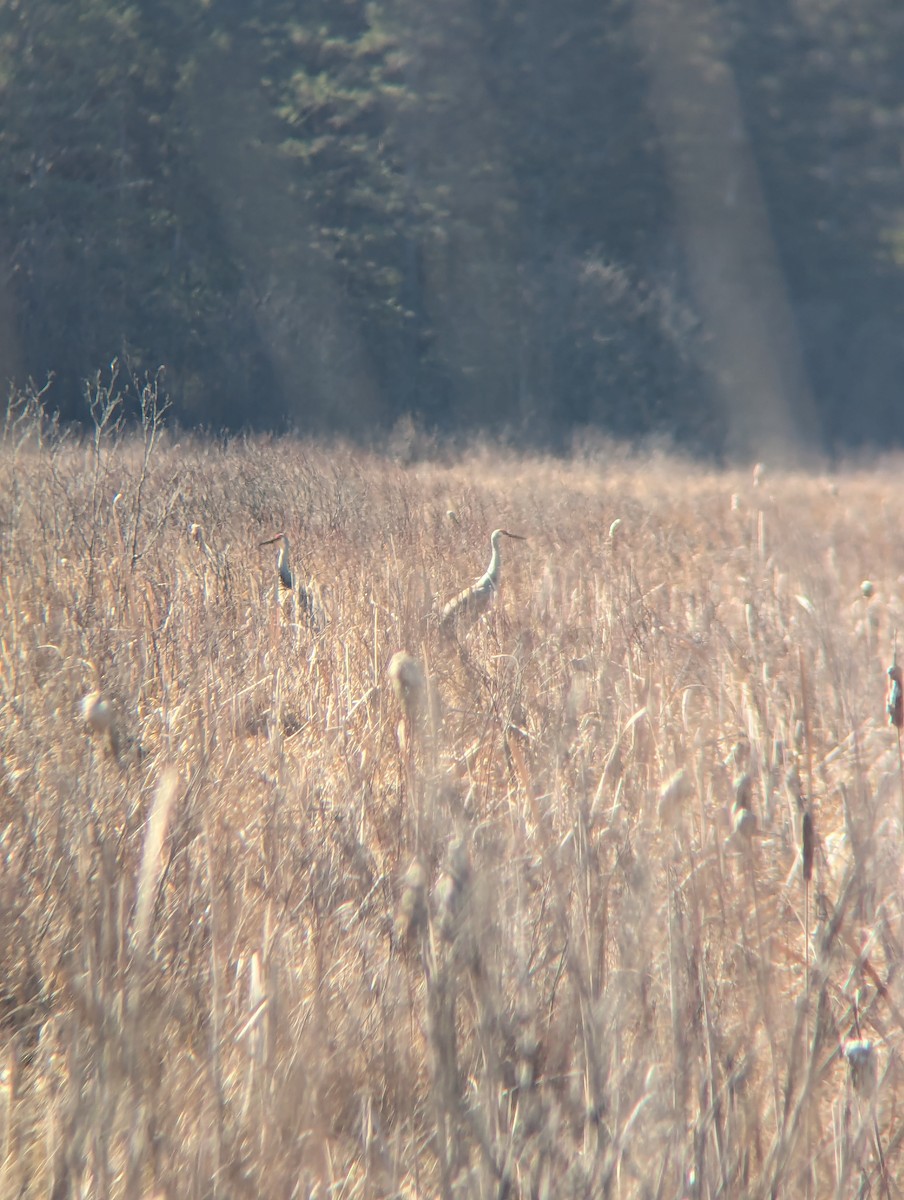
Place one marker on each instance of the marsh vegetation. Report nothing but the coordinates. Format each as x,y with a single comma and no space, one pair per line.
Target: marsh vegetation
279,923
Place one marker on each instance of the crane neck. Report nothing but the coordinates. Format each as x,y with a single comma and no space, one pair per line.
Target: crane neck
492,571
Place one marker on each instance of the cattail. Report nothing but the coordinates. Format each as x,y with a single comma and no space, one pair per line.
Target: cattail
894,698
672,795
806,848
743,789
97,713
742,814
894,706
860,1055
743,822
409,684
411,916
452,888
807,840
739,755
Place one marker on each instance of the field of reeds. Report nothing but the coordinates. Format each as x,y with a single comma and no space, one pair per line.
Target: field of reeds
525,915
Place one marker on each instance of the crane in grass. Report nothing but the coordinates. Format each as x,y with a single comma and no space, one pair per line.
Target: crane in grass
287,576
476,599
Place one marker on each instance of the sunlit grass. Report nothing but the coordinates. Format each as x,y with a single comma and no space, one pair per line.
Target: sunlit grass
277,922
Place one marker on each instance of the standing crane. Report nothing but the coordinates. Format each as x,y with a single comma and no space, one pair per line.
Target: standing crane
477,598
287,576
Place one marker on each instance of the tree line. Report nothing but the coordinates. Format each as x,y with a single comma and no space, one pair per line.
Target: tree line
645,216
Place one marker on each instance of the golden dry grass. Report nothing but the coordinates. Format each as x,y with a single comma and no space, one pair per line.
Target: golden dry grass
279,925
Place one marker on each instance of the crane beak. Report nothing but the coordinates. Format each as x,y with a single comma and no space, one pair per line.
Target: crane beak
270,541
519,537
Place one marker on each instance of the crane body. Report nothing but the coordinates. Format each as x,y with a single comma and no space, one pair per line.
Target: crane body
287,576
476,599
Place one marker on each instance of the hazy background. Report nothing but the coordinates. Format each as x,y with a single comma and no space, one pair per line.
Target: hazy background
667,217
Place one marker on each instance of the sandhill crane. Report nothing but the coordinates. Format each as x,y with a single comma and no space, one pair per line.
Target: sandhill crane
287,576
476,598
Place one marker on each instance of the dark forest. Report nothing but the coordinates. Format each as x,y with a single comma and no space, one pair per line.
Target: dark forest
675,218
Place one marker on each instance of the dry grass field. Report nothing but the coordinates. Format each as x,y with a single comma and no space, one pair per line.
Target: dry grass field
524,917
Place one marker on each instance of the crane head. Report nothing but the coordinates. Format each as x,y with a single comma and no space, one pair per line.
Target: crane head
498,533
277,537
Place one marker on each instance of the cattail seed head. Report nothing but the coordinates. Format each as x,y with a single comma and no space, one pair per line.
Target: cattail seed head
409,684
452,888
672,795
860,1054
743,823
97,713
894,697
743,790
739,755
743,818
806,848
411,916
